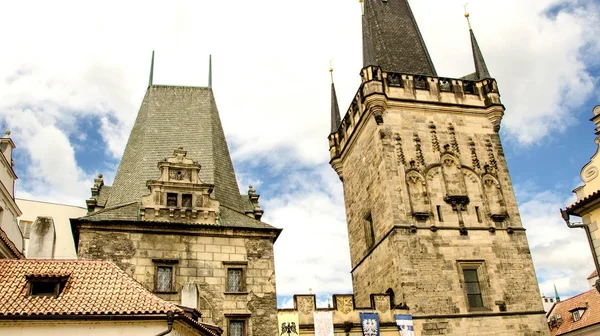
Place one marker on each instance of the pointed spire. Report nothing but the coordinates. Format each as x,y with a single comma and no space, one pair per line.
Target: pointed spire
481,69
151,70
335,108
556,294
210,71
392,40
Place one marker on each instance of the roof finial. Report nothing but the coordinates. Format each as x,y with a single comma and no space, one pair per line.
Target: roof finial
210,71
467,15
362,6
151,70
556,293
331,69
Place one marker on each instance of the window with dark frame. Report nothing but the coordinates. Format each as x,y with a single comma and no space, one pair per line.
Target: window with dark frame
46,286
439,213
171,199
473,289
186,200
234,279
369,231
164,278
236,327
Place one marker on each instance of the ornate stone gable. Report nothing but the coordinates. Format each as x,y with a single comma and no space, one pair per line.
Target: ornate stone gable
179,195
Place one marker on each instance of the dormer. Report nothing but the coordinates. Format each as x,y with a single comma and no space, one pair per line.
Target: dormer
179,194
578,312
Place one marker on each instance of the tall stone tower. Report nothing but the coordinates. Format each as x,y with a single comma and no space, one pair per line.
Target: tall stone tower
175,220
432,215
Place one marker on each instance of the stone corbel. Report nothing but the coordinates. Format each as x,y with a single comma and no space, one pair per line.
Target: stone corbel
495,115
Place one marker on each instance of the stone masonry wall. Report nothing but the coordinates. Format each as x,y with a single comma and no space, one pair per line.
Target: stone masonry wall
203,260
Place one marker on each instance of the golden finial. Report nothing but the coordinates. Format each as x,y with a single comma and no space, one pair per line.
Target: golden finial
467,15
331,69
362,6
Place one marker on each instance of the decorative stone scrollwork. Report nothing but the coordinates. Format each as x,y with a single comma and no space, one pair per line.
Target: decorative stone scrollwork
344,304
306,304
493,164
589,174
420,157
474,158
434,139
453,141
399,150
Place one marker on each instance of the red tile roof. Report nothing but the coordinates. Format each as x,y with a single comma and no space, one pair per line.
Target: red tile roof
93,287
573,208
591,316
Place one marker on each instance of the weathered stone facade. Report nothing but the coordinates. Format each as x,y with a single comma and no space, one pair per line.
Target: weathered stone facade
428,196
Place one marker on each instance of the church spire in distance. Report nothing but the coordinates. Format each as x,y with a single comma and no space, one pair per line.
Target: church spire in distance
392,40
481,69
335,108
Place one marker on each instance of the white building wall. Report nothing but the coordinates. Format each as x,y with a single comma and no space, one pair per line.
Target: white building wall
90,328
60,213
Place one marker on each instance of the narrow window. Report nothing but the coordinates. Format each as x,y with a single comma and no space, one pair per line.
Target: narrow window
236,328
25,227
171,199
478,214
369,231
186,200
439,213
164,278
473,289
234,279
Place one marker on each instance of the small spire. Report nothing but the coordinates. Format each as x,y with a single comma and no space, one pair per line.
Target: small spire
481,69
7,133
210,71
151,70
335,108
556,293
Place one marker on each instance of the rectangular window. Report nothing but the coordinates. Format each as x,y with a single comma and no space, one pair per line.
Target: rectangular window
234,279
478,214
439,213
473,289
164,278
25,227
186,200
369,231
236,328
171,199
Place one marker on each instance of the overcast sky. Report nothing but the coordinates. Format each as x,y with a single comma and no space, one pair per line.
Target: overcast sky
73,74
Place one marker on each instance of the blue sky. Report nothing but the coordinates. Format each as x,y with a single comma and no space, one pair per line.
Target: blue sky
70,97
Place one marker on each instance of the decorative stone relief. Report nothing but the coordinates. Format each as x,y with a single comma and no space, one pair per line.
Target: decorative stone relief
493,165
494,198
179,194
474,158
589,174
455,184
453,141
417,190
434,139
344,304
399,150
382,303
420,157
306,304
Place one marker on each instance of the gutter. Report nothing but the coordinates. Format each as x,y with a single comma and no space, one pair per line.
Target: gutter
170,320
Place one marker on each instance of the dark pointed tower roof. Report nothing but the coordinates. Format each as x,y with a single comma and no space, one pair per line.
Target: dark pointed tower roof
335,108
392,40
171,117
481,70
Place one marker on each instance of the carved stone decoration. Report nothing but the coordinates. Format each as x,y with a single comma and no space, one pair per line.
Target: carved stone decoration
589,174
179,194
434,139
453,176
491,158
417,191
453,141
382,303
378,114
344,304
420,157
494,198
474,158
399,150
306,304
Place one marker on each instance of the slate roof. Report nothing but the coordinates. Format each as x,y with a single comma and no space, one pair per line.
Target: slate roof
590,317
392,40
481,69
335,111
172,117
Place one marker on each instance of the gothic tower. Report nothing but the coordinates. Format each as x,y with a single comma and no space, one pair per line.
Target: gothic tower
431,212
175,220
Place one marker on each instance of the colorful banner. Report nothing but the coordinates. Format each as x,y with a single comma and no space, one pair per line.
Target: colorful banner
288,323
323,323
405,324
370,324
